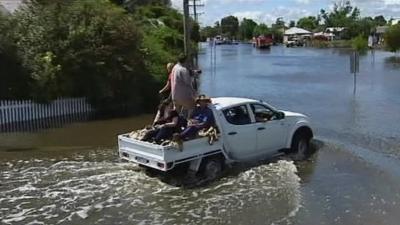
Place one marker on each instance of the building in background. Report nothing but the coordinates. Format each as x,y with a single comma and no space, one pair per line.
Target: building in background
296,37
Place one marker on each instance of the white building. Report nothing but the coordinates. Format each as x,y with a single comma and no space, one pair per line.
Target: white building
328,36
295,32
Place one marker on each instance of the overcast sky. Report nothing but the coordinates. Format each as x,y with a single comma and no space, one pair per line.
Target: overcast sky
268,10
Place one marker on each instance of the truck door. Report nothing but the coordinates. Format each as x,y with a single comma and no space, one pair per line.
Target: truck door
271,132
239,132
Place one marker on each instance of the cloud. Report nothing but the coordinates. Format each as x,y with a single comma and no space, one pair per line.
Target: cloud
387,8
270,17
303,1
267,11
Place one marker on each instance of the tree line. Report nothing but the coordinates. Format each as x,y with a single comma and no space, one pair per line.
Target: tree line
343,14
246,29
113,52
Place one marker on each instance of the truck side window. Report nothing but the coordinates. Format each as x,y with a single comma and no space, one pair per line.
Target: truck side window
261,113
237,115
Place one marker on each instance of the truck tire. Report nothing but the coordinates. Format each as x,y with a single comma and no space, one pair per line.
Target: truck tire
301,145
212,168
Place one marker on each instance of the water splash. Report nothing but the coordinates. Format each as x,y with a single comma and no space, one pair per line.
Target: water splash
66,192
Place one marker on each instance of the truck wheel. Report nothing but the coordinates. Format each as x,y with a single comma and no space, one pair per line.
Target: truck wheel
301,146
212,168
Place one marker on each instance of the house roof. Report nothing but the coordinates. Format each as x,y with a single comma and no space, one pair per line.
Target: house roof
296,30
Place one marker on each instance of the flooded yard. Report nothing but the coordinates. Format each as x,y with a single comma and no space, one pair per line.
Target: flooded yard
72,175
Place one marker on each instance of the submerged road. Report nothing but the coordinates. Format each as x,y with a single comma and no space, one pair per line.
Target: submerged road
72,175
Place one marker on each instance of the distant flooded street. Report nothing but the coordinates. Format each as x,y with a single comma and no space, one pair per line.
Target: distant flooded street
72,175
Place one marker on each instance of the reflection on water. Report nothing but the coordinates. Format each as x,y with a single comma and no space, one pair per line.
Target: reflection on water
393,62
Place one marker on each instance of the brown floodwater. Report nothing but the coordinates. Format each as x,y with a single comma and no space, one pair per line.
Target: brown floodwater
72,174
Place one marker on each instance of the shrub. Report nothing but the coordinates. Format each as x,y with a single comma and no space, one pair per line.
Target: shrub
14,80
83,48
359,44
392,38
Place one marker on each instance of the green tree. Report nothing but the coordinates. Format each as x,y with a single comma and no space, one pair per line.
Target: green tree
132,5
277,29
392,37
83,48
261,29
195,33
292,23
359,44
207,32
380,20
308,23
230,26
342,15
246,29
15,80
279,23
163,37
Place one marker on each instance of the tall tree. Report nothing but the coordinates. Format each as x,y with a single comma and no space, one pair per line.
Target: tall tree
261,29
230,26
279,23
292,23
308,23
380,20
208,32
392,37
246,29
342,15
131,5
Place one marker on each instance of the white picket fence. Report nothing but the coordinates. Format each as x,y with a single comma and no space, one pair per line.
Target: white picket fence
26,110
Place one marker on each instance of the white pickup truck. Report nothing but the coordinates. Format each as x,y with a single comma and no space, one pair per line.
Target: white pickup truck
248,130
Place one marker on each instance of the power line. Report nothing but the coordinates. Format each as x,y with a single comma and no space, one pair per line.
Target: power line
196,4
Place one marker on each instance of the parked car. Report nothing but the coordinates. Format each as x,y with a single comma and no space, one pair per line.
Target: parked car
295,42
247,130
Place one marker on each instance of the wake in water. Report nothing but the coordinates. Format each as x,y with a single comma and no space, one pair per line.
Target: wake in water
71,192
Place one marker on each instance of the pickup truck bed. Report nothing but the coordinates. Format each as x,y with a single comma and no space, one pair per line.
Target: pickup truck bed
165,157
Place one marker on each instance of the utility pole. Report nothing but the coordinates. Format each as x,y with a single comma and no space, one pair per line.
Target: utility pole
186,27
196,4
186,20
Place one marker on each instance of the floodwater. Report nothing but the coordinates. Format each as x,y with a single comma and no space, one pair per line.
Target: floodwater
72,175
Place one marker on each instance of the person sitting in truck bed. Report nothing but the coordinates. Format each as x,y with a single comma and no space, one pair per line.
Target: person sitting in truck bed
202,118
166,123
163,111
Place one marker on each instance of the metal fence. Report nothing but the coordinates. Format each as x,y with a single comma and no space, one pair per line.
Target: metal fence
21,114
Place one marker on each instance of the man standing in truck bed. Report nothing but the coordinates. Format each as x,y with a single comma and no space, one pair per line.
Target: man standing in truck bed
182,91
